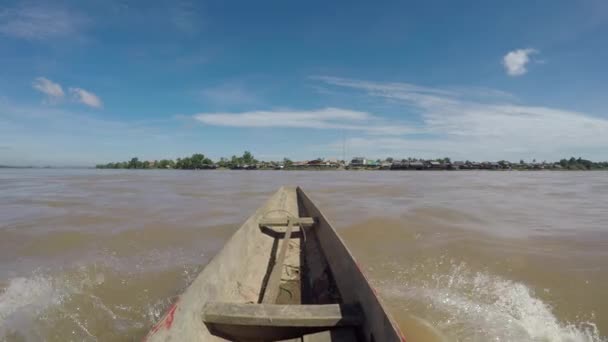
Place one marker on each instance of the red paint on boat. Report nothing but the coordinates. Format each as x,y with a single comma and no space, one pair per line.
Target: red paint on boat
166,322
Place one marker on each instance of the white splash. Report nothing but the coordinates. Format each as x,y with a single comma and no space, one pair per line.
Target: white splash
23,300
476,306
26,301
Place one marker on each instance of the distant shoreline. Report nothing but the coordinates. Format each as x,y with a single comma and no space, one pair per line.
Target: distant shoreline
290,169
247,161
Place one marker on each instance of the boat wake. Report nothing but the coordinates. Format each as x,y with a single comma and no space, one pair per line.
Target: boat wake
23,301
461,304
476,306
73,305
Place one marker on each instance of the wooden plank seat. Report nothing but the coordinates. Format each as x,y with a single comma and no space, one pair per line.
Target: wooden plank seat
271,322
280,222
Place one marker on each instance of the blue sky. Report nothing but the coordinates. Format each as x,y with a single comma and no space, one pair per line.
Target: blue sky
99,81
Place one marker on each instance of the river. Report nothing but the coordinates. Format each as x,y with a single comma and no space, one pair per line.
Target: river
97,255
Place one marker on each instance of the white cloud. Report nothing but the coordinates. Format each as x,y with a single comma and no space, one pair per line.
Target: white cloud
454,123
52,90
515,61
464,123
326,118
39,22
86,97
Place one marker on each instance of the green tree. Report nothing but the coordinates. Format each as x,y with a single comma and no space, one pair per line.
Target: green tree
234,161
248,158
134,163
287,162
187,163
223,162
197,161
165,164
587,164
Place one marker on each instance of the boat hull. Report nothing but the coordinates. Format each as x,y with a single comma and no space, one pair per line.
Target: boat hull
318,269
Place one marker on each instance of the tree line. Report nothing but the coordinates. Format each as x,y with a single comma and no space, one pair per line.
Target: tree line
247,160
582,164
194,162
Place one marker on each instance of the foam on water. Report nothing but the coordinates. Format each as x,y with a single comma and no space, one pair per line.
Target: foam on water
462,304
78,304
23,300
477,306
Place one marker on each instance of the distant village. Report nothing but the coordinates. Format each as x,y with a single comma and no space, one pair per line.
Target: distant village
421,164
362,163
248,162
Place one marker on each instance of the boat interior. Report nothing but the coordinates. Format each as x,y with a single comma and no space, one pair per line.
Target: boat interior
285,275
298,299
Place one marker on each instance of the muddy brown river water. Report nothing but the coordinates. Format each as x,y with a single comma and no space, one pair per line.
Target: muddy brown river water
97,255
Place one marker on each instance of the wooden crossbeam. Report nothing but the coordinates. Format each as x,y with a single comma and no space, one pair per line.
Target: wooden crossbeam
274,315
273,322
297,221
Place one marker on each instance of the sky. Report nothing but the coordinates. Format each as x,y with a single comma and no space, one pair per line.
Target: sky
86,82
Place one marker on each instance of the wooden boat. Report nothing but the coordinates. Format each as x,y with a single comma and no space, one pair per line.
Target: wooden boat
285,275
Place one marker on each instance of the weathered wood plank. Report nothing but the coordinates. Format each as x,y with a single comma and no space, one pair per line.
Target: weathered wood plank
302,221
274,281
330,315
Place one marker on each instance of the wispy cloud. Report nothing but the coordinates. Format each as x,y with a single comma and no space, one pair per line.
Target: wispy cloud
455,122
469,123
39,22
86,97
52,90
515,61
326,118
54,93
